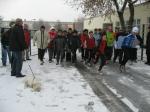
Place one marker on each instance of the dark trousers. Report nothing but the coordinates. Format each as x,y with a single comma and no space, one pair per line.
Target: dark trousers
133,56
108,53
102,60
82,53
127,55
74,57
41,53
118,53
68,56
5,53
91,54
86,56
16,63
59,55
148,55
50,53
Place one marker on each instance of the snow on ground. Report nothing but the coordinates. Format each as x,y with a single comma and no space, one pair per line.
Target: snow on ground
63,90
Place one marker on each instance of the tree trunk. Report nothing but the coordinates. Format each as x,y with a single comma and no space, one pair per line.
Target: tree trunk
131,18
122,22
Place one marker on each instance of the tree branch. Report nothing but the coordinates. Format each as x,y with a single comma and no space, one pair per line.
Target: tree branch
124,6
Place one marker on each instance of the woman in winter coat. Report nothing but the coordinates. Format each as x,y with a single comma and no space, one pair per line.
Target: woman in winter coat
41,38
90,46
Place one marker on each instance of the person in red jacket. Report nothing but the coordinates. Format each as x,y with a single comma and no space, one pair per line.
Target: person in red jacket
101,52
90,46
83,41
52,36
27,40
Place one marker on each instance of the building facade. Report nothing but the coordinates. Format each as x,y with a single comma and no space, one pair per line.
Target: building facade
142,17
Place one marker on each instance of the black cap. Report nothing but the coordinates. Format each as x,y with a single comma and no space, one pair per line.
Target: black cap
42,27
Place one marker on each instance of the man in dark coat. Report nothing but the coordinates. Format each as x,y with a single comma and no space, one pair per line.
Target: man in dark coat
68,46
148,47
59,46
75,44
17,45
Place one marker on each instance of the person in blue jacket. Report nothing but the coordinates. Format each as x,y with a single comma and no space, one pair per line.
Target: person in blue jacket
129,42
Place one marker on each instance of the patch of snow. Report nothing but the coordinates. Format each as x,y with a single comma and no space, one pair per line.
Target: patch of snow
63,90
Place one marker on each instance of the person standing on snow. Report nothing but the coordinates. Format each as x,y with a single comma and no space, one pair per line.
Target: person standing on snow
41,38
17,46
148,47
59,46
68,45
91,46
27,40
83,38
129,42
5,39
52,36
75,44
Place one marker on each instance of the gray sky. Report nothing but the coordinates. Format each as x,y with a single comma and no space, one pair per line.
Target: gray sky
49,10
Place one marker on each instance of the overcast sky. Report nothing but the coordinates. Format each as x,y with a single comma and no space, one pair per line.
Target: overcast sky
48,10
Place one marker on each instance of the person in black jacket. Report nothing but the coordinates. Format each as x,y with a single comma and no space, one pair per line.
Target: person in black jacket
148,47
75,44
59,46
5,44
68,45
17,45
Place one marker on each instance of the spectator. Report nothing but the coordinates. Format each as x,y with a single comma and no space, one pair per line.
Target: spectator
52,36
27,40
110,37
59,46
41,38
5,38
148,47
17,46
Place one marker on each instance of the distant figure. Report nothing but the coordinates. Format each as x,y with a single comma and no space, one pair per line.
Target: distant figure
17,46
5,38
91,47
148,47
28,40
110,38
129,42
68,45
52,36
42,39
83,38
59,46
75,44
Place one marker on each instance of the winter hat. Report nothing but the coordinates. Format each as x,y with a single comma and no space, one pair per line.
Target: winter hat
52,28
135,30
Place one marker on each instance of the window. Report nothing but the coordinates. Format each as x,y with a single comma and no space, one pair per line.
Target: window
138,22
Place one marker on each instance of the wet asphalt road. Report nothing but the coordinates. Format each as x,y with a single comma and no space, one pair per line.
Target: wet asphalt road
131,85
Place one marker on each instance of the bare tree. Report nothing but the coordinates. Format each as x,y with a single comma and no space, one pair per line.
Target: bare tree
106,8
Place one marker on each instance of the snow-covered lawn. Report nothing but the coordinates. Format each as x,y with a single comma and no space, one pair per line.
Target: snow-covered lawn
63,90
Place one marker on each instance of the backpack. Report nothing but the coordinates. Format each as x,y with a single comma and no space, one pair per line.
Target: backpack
128,41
